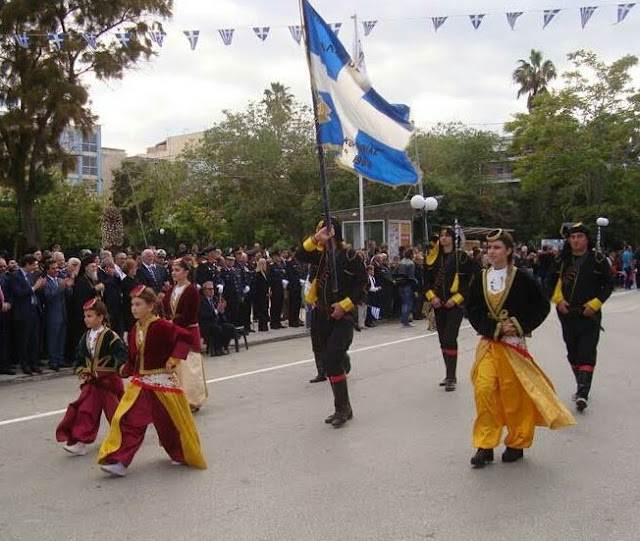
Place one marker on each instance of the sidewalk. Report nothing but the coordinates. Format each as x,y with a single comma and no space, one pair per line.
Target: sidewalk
253,339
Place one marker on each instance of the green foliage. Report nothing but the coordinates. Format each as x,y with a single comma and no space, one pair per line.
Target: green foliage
533,76
578,152
42,89
70,216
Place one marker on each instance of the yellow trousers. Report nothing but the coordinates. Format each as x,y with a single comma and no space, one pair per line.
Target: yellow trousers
501,401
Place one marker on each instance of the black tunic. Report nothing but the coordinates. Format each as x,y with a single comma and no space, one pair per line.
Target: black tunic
439,277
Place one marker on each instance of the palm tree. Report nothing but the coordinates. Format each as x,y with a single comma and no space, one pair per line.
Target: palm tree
533,76
279,101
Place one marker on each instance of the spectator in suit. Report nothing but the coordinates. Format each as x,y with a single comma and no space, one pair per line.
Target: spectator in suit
119,260
25,313
216,330
295,277
56,291
261,295
5,321
163,270
146,273
112,295
129,267
277,278
58,258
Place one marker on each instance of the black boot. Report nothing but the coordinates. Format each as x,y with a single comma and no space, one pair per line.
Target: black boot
512,455
482,458
343,411
450,362
322,376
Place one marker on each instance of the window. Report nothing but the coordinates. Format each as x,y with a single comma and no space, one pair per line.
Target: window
90,143
90,166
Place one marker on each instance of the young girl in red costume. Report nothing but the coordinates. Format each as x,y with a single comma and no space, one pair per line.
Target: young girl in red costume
154,395
99,356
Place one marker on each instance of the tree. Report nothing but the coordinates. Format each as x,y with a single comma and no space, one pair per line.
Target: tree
578,152
534,76
43,89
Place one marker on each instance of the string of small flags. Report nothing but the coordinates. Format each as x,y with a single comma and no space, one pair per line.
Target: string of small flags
57,39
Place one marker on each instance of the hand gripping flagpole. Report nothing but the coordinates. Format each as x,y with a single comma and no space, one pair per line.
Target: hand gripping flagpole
323,170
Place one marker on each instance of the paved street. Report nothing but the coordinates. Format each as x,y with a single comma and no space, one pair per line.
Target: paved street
399,471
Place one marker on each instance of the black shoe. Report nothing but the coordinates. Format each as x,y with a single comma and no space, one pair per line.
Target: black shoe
450,385
482,458
512,455
54,367
318,378
581,403
8,372
37,370
218,353
443,383
331,417
339,418
27,371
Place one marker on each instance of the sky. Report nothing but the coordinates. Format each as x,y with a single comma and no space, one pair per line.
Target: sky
457,74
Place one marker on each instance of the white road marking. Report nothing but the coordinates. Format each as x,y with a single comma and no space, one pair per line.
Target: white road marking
241,375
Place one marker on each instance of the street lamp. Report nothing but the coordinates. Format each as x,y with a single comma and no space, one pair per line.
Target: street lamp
601,222
424,204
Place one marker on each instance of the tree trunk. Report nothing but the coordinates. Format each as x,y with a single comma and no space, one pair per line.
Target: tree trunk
28,222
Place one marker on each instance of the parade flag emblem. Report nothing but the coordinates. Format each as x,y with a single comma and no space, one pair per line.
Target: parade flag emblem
368,26
57,40
22,40
124,38
623,11
438,22
548,16
192,36
586,13
157,36
296,33
512,18
476,20
227,35
368,134
261,32
92,40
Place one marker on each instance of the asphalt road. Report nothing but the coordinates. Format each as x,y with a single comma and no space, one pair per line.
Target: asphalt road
398,471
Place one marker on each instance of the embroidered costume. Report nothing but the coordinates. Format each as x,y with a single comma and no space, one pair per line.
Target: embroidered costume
99,356
510,388
154,396
182,306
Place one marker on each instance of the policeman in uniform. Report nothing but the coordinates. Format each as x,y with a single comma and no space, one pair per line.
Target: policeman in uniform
334,316
579,283
448,272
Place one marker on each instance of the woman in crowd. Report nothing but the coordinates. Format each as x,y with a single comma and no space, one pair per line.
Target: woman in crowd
129,282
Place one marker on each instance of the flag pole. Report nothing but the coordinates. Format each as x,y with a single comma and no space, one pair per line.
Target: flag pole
360,178
321,157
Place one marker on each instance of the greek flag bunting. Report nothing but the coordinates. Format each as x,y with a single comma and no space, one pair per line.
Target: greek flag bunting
91,40
192,36
512,17
261,32
56,39
476,20
438,22
623,11
368,134
22,40
157,36
586,13
548,16
124,38
296,33
368,26
227,35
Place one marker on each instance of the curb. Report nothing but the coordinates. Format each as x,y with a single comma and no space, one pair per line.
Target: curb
48,374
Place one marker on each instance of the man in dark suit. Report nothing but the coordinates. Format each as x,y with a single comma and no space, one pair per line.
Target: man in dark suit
277,278
147,273
295,277
5,321
56,292
216,330
25,313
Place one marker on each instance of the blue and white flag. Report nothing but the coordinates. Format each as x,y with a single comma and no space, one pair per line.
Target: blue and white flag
335,27
124,38
438,22
476,20
623,11
91,39
358,56
22,40
586,14
512,18
548,16
375,312
369,135
192,36
157,36
56,39
368,26
262,32
296,33
227,35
